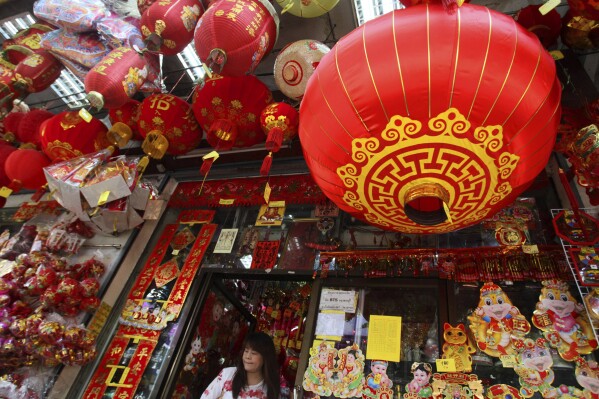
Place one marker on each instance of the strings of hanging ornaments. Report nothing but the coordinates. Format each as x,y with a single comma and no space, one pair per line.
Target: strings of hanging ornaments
443,133
232,37
280,122
228,108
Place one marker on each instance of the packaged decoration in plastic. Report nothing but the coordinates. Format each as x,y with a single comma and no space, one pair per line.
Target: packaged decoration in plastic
85,48
117,31
75,15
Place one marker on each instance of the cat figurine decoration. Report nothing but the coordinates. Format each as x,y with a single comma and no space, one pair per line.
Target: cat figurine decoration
458,346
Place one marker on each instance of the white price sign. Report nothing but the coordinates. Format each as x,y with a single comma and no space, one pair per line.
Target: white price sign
338,300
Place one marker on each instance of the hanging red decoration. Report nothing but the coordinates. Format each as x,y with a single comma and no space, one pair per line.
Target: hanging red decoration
128,114
24,167
169,117
5,150
546,27
228,108
115,79
280,122
252,28
167,27
11,124
66,135
37,71
443,133
29,128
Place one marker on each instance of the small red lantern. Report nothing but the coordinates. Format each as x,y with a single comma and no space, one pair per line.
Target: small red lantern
24,167
128,114
280,122
5,150
67,135
37,71
115,79
232,37
164,116
167,27
228,108
28,131
11,124
545,26
436,137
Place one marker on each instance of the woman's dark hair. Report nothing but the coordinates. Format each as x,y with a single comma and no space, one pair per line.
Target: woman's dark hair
261,343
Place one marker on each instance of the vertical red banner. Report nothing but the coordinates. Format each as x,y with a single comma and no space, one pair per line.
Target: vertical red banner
265,255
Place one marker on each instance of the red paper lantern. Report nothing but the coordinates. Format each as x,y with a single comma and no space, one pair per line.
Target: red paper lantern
24,167
67,135
37,71
412,116
11,124
232,37
280,122
5,151
29,128
226,104
128,114
115,79
167,27
172,118
545,26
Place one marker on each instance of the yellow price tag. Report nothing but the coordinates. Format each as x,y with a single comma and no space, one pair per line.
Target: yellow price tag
175,252
446,209
508,361
223,201
5,192
530,249
557,55
103,198
85,115
267,191
212,154
277,204
548,6
446,365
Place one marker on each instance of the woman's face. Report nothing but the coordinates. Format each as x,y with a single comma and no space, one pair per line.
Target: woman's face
252,360
421,377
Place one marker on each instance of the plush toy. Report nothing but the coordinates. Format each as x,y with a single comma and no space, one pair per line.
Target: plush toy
457,346
196,356
563,321
534,367
495,320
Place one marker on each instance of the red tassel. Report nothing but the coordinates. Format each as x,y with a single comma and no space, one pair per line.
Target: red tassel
266,164
206,165
274,139
225,131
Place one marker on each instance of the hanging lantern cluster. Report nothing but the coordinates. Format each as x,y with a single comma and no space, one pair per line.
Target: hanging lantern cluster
228,108
24,127
252,28
167,125
295,64
436,137
280,122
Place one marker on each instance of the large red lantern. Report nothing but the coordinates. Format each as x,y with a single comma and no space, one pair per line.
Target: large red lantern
167,117
67,135
228,108
232,37
5,150
37,71
168,26
24,168
415,124
115,79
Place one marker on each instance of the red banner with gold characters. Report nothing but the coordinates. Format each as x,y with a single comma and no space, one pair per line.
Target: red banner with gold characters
265,255
146,276
193,216
120,371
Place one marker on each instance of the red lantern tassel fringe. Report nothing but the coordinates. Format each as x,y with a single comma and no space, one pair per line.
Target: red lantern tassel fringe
206,165
266,164
274,139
